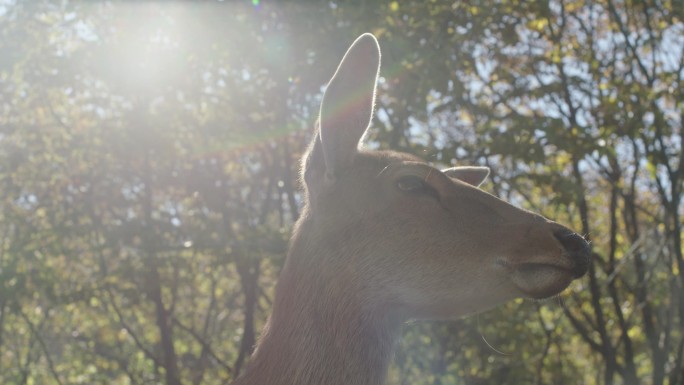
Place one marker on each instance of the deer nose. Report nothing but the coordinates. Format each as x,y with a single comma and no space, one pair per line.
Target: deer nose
578,250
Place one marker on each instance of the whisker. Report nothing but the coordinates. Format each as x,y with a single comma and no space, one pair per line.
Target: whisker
428,175
477,319
383,170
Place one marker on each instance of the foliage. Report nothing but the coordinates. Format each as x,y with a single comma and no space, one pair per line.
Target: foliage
149,177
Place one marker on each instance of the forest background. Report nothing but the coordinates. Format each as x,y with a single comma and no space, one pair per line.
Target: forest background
149,177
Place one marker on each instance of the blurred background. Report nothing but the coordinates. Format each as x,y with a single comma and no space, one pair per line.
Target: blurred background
149,177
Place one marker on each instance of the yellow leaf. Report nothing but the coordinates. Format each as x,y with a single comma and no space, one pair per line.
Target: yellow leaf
538,24
634,332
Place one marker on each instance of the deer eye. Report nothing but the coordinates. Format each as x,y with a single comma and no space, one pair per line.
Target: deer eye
411,183
416,185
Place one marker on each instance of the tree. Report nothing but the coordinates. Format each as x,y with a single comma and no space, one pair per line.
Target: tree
149,175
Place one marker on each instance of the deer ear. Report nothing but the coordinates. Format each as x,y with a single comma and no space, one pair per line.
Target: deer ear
347,106
471,175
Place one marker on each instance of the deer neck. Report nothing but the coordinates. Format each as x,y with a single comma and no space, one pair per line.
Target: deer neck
319,333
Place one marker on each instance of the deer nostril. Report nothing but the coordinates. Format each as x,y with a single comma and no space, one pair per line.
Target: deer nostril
577,248
572,242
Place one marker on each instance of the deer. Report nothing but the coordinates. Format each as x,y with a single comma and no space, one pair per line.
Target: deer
384,238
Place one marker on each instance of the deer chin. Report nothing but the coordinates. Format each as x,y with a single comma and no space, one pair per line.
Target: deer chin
540,280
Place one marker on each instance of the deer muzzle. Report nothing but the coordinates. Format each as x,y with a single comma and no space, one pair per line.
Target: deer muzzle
576,248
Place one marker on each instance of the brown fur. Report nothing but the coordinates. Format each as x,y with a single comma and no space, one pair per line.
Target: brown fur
366,255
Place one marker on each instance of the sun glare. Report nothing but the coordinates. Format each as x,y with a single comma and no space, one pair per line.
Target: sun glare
148,52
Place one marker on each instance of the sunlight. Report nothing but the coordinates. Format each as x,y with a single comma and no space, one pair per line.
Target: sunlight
151,174
148,52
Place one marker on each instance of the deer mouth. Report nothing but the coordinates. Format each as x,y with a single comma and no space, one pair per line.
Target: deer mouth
576,271
543,280
545,276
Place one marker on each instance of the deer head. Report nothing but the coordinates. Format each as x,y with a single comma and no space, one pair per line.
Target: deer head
385,237
427,241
